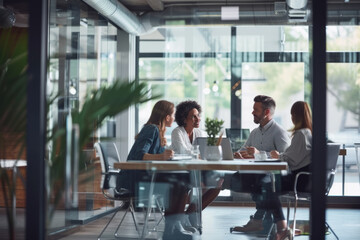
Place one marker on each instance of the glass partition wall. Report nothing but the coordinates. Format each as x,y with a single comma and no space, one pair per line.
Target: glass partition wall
82,57
221,66
343,106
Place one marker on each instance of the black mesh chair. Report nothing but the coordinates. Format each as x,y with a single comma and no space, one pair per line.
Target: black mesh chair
333,150
108,154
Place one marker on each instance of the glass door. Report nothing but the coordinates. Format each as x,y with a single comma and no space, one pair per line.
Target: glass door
82,58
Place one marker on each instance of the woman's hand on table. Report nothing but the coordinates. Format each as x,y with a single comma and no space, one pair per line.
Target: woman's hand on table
167,154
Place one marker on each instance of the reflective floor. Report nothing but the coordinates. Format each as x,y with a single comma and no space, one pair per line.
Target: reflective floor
218,220
216,224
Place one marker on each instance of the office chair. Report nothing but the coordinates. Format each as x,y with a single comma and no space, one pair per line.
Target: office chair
109,155
296,196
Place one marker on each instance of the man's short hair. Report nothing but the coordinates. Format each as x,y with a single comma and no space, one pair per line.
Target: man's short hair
266,102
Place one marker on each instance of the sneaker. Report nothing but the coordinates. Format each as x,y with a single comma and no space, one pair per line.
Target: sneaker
187,225
175,231
194,223
254,225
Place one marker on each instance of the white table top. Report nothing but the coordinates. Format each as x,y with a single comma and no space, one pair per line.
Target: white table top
230,165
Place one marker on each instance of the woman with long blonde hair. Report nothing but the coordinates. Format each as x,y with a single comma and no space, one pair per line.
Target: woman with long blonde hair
150,142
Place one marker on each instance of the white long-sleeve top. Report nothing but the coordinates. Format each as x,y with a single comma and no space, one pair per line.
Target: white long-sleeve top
298,154
180,142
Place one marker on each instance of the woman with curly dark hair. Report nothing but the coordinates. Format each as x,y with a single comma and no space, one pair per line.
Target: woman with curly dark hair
187,116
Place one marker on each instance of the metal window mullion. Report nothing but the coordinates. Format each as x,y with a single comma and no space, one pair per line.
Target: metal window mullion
36,120
318,200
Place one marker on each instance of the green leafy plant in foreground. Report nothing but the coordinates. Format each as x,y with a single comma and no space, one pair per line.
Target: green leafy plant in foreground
101,104
13,83
213,127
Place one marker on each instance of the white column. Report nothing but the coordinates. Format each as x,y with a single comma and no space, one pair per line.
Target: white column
125,71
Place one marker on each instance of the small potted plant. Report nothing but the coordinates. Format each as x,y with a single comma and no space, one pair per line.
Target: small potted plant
213,150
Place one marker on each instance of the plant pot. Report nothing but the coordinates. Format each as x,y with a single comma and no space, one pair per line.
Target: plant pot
213,153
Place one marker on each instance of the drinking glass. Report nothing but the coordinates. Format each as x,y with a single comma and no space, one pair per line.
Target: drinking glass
195,151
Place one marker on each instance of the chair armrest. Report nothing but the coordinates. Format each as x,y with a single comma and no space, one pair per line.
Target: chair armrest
329,181
296,180
114,171
109,178
111,172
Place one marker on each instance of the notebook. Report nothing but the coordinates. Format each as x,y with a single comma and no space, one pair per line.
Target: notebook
180,157
225,144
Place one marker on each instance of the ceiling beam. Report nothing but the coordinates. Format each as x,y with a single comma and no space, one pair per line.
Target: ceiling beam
156,5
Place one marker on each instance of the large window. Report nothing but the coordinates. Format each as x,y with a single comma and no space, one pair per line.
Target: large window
343,102
199,64
188,63
196,64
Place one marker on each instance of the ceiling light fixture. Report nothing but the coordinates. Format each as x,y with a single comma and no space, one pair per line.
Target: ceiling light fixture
229,13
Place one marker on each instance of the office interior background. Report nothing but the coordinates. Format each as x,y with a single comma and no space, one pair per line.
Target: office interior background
195,50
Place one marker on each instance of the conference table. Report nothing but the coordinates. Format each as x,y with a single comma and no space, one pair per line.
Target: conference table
195,167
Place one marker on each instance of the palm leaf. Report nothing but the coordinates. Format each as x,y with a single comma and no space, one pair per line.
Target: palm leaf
13,83
103,103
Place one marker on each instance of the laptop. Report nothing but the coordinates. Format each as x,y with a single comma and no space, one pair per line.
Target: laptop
237,136
225,144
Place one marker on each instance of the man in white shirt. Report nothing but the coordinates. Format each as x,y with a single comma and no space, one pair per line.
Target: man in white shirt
267,137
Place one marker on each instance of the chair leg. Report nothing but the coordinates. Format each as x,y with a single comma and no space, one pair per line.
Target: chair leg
294,222
122,219
270,235
160,206
131,209
99,237
328,226
288,212
161,209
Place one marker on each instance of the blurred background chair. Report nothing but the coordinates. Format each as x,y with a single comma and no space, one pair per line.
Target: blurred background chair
237,136
295,196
